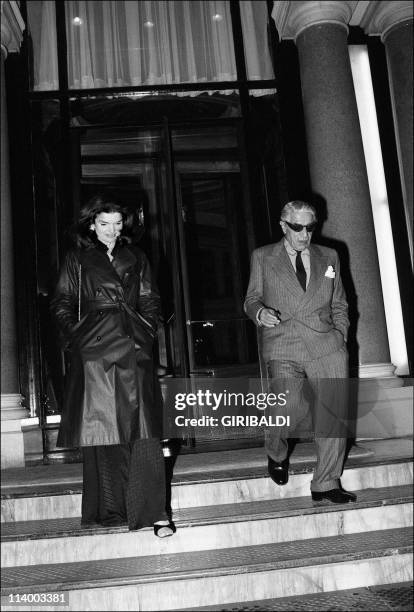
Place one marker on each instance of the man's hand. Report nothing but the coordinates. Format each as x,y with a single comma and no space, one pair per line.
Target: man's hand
269,317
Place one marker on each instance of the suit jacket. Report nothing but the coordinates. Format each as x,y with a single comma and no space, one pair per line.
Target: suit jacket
313,323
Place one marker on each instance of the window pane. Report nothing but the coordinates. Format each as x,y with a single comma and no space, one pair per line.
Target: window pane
42,28
114,43
254,18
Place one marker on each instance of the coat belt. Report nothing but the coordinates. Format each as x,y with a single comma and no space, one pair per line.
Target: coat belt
122,305
96,305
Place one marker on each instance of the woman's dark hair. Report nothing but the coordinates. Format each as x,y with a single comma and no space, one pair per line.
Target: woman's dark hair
101,203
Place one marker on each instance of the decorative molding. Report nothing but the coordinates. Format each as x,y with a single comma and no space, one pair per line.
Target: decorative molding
385,371
374,17
359,11
291,18
12,441
11,408
378,18
12,27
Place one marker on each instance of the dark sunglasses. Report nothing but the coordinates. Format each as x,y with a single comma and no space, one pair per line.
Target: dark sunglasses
297,227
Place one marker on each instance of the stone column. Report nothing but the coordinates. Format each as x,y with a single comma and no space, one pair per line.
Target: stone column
393,21
336,160
12,449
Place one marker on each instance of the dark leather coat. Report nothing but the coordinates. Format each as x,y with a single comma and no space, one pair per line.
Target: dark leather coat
112,393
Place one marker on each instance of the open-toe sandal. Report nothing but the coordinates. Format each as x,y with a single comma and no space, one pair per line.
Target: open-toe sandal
164,531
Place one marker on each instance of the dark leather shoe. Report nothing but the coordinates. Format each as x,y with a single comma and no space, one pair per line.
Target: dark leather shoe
336,496
278,472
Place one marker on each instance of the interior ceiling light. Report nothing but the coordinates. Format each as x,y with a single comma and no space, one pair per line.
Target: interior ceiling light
77,21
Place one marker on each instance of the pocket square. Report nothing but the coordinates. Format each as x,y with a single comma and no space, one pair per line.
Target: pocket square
330,272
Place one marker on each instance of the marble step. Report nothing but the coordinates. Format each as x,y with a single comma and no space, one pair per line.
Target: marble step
214,487
208,528
394,598
249,573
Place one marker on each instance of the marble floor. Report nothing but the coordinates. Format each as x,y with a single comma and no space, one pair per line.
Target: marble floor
240,538
167,582
364,453
391,598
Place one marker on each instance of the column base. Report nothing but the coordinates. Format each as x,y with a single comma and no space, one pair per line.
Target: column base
385,414
384,403
384,373
12,444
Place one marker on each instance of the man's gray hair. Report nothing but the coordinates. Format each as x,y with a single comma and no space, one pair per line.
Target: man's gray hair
296,206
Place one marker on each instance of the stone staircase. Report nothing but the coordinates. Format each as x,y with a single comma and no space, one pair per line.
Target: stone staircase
242,542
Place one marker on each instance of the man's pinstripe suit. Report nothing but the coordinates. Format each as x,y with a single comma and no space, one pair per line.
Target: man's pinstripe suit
310,341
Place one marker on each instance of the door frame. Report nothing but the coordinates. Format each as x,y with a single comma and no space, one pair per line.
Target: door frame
175,249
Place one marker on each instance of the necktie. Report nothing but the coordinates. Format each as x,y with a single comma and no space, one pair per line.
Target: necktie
300,270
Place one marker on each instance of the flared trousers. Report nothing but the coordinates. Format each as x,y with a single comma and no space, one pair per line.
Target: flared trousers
124,484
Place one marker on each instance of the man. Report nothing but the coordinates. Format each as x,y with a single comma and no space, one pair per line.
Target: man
296,297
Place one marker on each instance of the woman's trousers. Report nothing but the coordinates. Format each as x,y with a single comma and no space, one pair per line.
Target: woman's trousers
124,484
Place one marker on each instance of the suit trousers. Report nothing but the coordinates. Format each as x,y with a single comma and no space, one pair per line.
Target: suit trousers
320,414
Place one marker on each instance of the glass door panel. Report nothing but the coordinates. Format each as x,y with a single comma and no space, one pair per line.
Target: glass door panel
135,164
214,238
215,231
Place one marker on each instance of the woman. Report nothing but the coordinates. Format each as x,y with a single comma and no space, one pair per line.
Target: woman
107,309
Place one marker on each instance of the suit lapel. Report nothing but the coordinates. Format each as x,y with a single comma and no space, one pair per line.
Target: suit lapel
282,266
318,265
